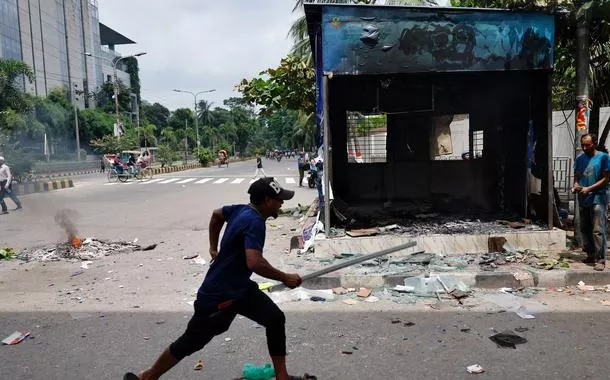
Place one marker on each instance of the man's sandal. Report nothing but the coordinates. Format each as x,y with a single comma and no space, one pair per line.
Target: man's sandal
130,376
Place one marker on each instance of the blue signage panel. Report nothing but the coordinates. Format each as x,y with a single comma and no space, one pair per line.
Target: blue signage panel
379,40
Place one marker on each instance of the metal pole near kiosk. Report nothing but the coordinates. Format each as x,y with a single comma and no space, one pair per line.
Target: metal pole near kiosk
326,170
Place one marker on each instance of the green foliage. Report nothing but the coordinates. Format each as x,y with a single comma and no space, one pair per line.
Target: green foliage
166,155
134,75
7,253
291,85
95,124
12,95
113,144
19,162
155,114
204,155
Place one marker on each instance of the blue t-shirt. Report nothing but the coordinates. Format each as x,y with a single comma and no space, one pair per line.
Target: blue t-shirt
590,170
229,276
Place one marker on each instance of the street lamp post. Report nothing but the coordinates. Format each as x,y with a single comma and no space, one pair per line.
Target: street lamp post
196,118
114,72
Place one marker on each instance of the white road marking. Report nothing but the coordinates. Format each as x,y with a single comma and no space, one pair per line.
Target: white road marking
290,180
153,181
110,184
221,180
170,180
204,180
186,181
238,180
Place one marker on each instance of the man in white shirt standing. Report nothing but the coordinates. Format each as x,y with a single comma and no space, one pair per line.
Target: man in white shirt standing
5,187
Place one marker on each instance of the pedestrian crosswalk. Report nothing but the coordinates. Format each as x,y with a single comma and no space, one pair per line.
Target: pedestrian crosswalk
192,181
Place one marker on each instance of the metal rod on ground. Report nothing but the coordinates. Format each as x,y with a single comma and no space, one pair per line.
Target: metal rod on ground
351,262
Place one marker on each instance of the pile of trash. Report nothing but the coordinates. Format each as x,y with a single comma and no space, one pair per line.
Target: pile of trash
91,249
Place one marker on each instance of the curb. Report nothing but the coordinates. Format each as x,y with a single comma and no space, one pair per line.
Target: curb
68,174
41,187
484,280
172,169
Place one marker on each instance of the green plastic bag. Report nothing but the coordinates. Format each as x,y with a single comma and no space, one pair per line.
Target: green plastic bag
252,372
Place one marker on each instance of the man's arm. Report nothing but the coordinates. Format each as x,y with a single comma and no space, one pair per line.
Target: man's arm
10,176
576,188
259,265
216,222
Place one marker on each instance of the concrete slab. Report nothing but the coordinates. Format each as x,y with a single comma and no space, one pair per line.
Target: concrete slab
554,240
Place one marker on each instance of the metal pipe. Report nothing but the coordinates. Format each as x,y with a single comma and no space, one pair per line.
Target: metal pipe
351,262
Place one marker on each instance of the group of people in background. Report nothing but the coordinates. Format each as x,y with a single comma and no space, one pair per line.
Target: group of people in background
144,160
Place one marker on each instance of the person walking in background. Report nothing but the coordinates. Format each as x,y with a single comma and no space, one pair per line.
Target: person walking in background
6,180
102,165
259,167
301,166
591,172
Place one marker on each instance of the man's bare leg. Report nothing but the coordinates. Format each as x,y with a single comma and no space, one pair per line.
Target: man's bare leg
279,363
163,364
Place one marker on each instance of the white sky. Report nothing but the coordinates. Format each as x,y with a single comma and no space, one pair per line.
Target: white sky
197,45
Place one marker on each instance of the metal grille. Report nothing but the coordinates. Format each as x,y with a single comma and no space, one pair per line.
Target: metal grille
366,138
477,143
562,174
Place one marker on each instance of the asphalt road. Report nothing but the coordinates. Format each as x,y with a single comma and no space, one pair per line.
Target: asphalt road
104,345
120,313
151,212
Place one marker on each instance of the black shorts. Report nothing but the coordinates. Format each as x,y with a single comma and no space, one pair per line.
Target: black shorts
209,321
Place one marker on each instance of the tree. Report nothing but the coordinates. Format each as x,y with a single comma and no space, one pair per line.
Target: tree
148,135
304,131
156,114
204,112
112,144
291,85
13,96
95,123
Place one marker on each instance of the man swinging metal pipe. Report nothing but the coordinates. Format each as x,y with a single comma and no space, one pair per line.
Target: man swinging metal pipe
227,289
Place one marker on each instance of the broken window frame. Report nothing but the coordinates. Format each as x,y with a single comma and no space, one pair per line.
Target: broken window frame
359,126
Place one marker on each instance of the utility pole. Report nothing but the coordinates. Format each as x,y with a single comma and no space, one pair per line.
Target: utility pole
76,131
186,144
583,102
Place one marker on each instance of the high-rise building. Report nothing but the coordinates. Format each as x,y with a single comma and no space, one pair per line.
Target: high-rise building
52,37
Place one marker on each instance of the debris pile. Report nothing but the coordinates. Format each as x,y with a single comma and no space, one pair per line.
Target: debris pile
90,249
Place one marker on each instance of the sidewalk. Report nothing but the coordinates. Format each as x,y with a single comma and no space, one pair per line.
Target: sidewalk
389,271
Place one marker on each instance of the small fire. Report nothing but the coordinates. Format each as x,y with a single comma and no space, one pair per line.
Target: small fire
76,242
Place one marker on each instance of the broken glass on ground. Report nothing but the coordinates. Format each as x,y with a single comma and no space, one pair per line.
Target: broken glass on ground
431,286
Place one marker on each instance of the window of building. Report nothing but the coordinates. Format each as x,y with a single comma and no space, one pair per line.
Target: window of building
108,78
366,138
450,138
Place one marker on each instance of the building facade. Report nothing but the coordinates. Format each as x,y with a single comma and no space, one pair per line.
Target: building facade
52,37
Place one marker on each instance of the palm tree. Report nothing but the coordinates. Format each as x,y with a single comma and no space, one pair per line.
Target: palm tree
298,30
204,112
168,135
148,135
304,131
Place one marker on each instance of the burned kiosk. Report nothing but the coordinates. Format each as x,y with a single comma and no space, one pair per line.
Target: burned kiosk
442,106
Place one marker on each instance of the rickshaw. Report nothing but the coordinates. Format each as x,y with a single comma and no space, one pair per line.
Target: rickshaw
223,158
140,170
